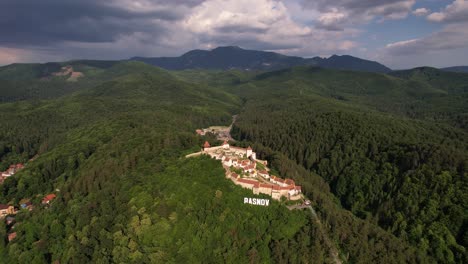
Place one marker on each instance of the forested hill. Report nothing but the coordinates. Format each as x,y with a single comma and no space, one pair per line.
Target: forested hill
388,183
373,139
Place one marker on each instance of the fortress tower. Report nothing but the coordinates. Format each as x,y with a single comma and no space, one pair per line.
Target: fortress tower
206,145
225,145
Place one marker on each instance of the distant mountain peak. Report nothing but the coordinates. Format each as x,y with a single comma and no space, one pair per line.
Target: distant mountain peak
234,57
228,48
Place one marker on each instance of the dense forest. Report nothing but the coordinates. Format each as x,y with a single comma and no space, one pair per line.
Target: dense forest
381,158
408,176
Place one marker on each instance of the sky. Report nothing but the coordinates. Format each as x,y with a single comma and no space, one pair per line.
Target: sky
398,33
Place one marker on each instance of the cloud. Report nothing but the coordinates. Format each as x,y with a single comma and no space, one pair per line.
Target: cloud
261,24
451,37
343,13
332,20
453,13
421,11
116,29
445,47
267,17
48,22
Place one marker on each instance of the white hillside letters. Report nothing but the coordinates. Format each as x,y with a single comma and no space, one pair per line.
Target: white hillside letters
256,201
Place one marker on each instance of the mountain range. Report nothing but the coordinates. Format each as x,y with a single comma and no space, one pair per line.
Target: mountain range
221,58
231,57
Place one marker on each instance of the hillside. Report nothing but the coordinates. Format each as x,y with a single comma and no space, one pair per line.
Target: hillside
227,58
51,80
406,175
441,97
388,183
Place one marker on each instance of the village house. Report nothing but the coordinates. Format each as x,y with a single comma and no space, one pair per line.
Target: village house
48,198
11,236
26,204
6,210
10,171
13,169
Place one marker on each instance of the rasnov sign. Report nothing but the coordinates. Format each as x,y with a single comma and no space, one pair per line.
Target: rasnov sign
256,201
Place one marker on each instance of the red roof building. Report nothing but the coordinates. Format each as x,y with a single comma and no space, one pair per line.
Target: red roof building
265,185
289,182
246,181
206,145
48,198
11,236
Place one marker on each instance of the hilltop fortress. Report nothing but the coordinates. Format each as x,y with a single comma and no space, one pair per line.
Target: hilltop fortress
244,169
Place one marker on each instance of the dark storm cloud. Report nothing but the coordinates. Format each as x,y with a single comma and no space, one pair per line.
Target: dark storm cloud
45,22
